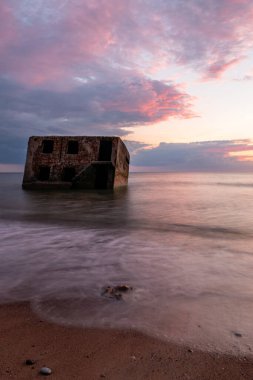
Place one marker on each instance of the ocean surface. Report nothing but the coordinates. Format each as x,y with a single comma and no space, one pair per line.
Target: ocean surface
184,242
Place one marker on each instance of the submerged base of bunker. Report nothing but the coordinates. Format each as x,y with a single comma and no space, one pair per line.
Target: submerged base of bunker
76,162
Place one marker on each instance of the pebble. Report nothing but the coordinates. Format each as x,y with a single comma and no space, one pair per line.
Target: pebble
123,288
29,362
45,371
237,334
191,351
115,291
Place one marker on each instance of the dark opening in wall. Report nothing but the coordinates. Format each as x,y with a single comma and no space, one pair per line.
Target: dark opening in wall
68,174
101,177
44,173
72,147
48,146
105,150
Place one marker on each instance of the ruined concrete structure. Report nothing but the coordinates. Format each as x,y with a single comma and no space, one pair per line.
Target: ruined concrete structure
76,162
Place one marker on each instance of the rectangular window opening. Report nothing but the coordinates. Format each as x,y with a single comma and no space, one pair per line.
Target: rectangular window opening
48,146
105,150
72,147
44,173
68,174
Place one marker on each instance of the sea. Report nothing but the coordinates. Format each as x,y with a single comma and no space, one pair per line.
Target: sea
182,241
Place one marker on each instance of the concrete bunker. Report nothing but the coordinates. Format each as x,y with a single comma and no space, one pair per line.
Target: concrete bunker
85,162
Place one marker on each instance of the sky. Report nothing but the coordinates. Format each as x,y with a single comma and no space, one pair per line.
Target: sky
172,78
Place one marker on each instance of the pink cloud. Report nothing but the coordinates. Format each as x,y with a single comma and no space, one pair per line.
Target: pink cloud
93,105
152,101
91,62
196,156
47,51
211,35
8,28
233,150
58,40
224,149
217,69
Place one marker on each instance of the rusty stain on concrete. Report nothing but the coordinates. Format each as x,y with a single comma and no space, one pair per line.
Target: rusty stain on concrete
84,162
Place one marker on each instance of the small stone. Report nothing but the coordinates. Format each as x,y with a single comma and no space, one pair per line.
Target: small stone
118,296
102,375
115,291
108,291
45,371
237,334
191,351
123,288
29,362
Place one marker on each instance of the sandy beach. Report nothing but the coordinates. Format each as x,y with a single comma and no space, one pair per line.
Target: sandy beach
74,353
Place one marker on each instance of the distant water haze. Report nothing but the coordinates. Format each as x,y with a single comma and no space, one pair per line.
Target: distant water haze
184,242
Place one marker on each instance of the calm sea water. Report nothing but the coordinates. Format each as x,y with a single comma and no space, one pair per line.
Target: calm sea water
183,241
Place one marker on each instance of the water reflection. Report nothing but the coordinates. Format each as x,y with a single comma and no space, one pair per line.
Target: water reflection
81,208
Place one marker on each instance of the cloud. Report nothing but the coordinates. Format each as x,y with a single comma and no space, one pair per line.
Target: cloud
134,146
245,78
93,107
8,29
209,35
197,156
55,40
52,41
121,102
84,67
217,69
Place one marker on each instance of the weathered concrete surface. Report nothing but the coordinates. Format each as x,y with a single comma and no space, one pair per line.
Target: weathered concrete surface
76,162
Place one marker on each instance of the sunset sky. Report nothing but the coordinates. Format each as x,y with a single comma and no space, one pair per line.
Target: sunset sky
173,78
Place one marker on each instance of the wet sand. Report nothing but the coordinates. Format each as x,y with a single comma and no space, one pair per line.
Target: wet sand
74,353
